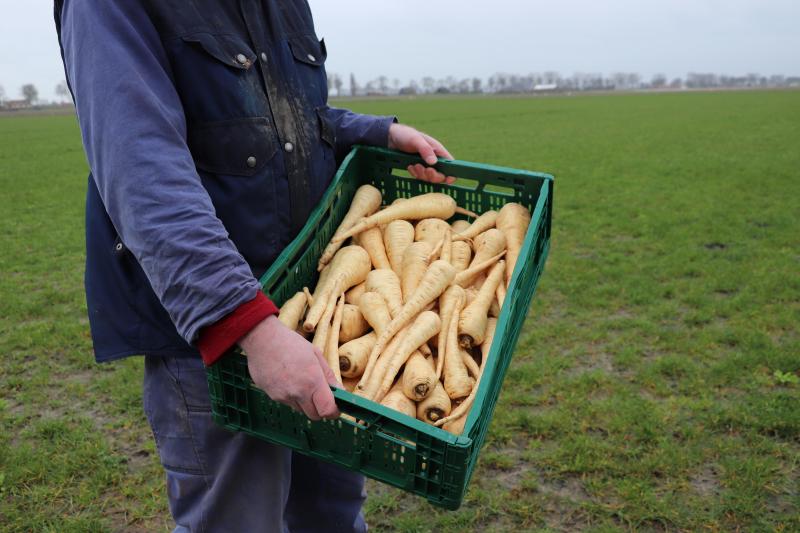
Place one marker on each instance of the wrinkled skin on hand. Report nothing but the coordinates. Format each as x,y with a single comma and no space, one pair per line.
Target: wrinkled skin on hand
407,139
290,369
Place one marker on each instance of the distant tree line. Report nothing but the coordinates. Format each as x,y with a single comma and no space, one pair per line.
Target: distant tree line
551,81
30,97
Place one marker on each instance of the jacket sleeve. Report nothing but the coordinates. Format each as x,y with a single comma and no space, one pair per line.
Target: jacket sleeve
134,133
354,128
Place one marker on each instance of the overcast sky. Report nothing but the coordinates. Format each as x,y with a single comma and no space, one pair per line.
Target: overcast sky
415,38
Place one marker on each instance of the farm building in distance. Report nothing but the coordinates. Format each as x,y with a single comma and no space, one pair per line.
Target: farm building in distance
15,105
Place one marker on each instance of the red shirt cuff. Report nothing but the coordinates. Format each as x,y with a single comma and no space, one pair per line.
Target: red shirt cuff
216,339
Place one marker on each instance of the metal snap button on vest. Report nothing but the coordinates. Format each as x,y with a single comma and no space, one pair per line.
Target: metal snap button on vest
251,161
311,57
241,58
289,147
118,247
263,57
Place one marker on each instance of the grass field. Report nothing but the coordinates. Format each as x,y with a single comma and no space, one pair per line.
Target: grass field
656,384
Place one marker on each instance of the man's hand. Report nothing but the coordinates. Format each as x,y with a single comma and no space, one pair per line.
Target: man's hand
290,369
407,139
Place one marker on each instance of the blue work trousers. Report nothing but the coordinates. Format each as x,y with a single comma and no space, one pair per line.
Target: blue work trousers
222,481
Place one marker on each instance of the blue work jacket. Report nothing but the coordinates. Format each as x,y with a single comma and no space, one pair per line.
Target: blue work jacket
209,138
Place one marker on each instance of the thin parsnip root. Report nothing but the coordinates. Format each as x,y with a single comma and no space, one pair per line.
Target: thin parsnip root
354,325
366,201
430,205
487,245
332,344
386,283
472,322
456,427
320,340
372,360
453,297
501,294
353,355
372,241
397,236
436,406
348,268
456,380
513,220
483,223
292,311
419,377
472,367
472,274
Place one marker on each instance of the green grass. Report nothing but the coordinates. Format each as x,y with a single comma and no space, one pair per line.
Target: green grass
655,384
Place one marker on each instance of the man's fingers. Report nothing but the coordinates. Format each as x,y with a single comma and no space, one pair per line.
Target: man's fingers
438,148
432,175
324,403
425,150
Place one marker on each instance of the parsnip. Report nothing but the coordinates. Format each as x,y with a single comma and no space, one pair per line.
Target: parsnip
292,311
354,325
348,268
387,284
395,399
453,297
376,313
332,344
460,255
472,322
436,406
397,236
460,225
513,220
352,296
436,279
456,380
429,205
415,263
372,241
484,222
365,202
353,355
419,377
471,275
450,422
426,325
431,230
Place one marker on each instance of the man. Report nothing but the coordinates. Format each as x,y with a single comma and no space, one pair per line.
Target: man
209,138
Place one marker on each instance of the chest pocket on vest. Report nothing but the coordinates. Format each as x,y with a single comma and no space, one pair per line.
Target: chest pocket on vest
216,77
310,55
237,147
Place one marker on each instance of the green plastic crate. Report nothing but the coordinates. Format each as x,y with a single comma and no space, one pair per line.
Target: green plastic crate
386,445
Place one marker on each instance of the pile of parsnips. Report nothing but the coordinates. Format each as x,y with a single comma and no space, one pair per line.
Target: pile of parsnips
406,313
